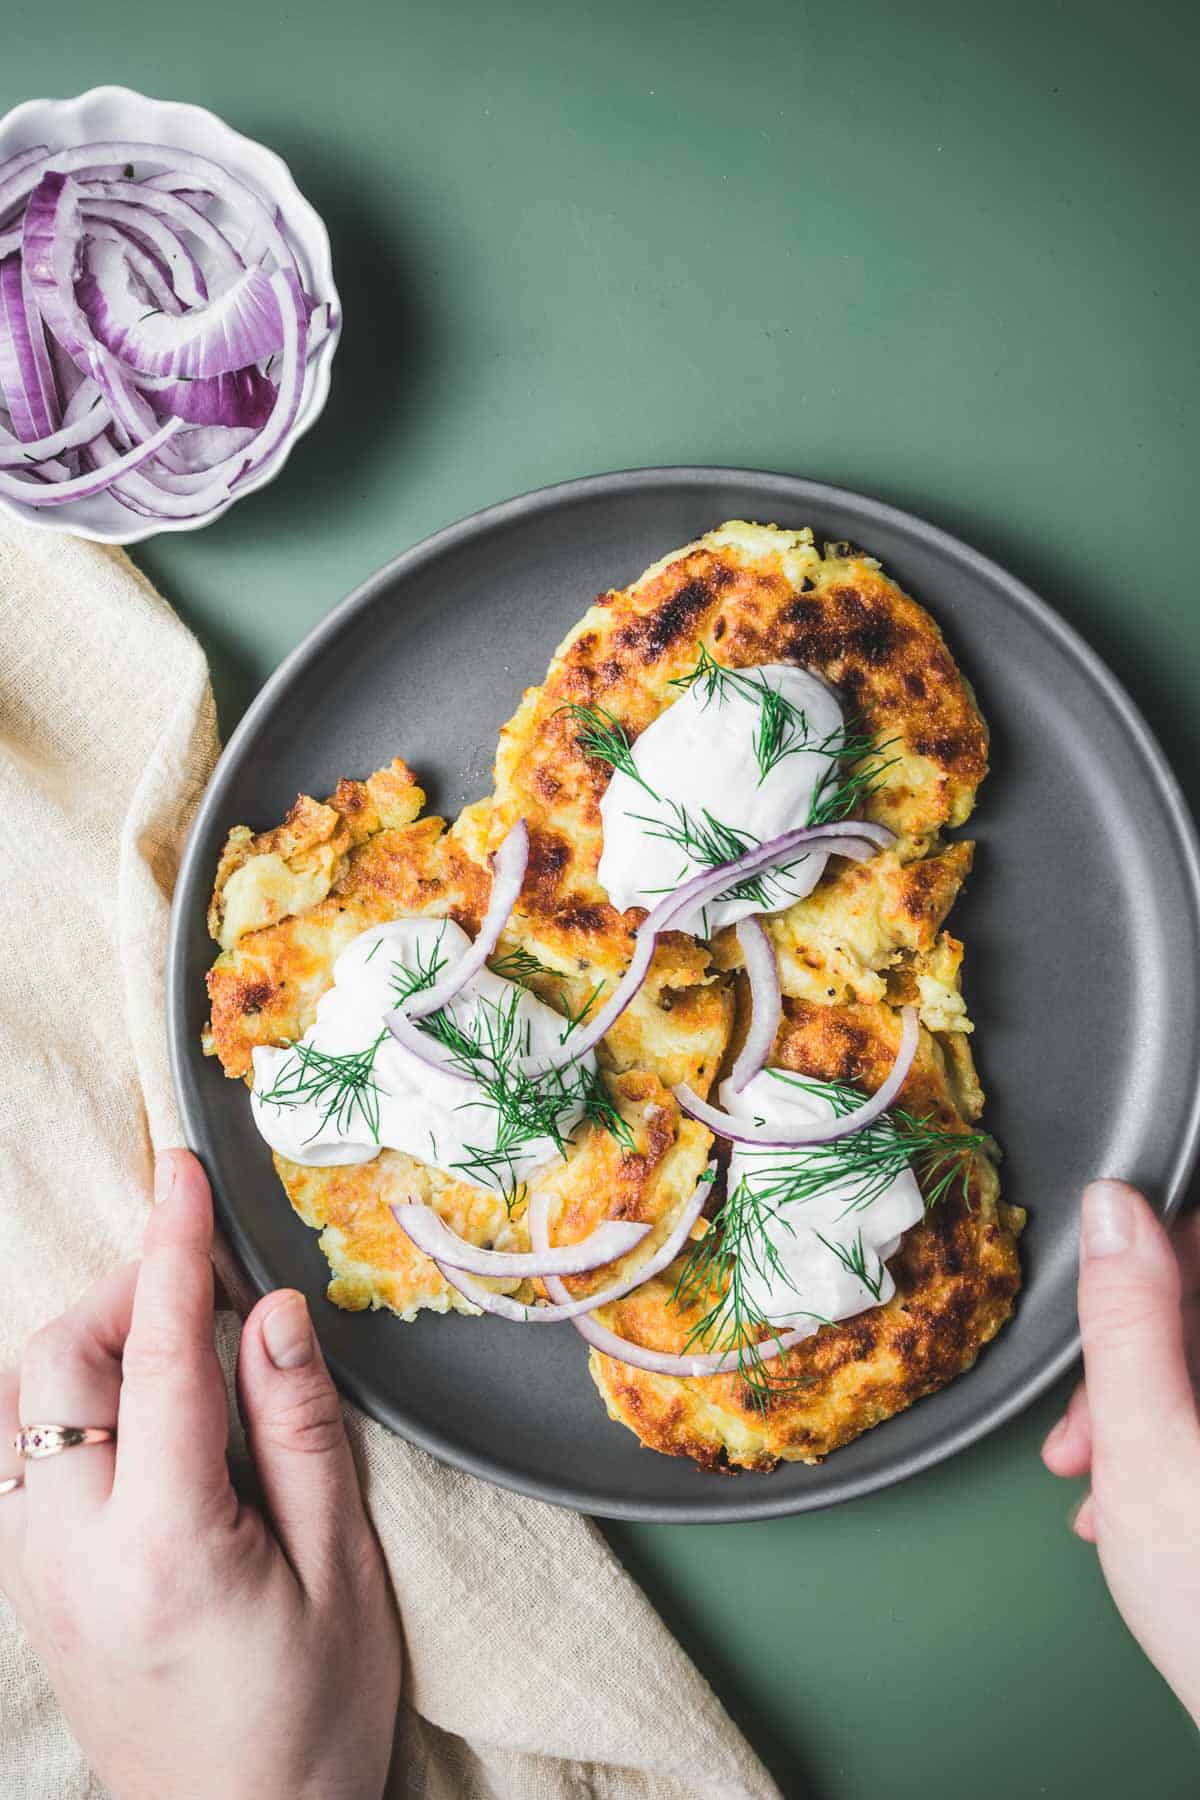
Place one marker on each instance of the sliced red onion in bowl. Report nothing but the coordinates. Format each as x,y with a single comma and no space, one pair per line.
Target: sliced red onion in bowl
511,860
780,1137
82,487
611,1239
117,275
130,201
239,327
152,233
74,432
84,159
766,1001
106,239
26,374
240,399
854,839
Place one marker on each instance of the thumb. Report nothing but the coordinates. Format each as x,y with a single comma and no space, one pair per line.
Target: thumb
293,1420
1140,1399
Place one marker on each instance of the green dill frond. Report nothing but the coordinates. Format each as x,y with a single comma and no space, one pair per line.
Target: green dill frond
519,964
342,1086
853,1258
740,1243
604,737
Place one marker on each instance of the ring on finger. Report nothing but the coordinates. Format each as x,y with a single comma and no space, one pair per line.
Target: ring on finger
35,1441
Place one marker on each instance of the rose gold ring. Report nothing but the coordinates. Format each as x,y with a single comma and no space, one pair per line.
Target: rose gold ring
34,1441
11,1485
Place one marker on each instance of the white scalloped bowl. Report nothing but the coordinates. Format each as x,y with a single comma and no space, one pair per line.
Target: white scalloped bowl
112,113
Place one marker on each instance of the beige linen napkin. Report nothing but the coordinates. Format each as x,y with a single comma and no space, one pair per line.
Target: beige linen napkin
535,1667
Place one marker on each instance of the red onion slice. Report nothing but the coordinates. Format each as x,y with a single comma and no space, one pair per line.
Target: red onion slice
410,1037
26,375
106,241
76,431
854,839
208,174
96,481
611,1239
510,863
766,1001
172,209
239,327
566,1307
240,399
779,1137
655,1361
147,229
658,1362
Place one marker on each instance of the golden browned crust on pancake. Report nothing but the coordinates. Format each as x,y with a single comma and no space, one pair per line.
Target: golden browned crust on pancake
751,594
356,864
860,922
956,1275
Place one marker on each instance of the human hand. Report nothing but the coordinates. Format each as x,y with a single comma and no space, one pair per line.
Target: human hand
198,1646
1132,1423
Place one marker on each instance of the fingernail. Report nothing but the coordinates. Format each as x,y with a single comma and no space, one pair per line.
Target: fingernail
164,1177
1107,1222
287,1333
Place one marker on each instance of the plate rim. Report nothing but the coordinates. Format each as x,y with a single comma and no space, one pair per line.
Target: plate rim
753,1504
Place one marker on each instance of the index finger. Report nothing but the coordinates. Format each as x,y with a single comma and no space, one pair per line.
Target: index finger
172,1424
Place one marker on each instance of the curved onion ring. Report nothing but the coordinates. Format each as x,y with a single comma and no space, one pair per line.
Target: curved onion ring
854,839
77,430
96,481
510,863
656,1362
567,1308
611,1239
766,1001
778,1137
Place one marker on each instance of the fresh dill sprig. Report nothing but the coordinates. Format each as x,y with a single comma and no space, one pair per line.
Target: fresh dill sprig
716,1274
712,843
519,964
782,730
604,737
342,1086
856,772
741,1241
853,1258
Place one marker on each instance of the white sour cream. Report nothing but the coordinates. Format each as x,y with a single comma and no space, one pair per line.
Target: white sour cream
812,1278
700,755
423,1111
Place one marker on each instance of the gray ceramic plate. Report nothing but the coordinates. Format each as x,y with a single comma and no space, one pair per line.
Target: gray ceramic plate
1082,924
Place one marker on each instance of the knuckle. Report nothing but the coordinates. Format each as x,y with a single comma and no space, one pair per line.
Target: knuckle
1120,1315
310,1423
156,1355
46,1353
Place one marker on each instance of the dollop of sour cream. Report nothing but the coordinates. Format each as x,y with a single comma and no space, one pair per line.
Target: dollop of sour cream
816,1241
427,1112
703,755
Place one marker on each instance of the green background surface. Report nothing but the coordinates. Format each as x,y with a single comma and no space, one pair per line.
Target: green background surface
942,253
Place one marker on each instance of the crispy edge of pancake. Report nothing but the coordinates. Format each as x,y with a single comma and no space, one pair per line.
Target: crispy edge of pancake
957,1276
374,1263
347,864
752,594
